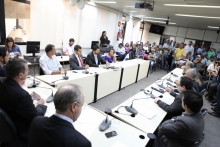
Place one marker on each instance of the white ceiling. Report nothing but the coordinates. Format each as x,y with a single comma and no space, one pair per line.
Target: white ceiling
161,11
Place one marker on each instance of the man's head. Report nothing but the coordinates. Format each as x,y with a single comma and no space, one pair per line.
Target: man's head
190,43
211,50
189,65
184,84
177,45
212,58
78,50
120,45
71,41
192,101
153,51
50,50
68,101
140,47
95,50
181,45
198,58
4,55
184,56
17,69
191,73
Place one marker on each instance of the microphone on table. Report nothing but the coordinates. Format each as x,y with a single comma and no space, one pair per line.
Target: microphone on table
106,122
86,71
132,109
34,84
50,98
65,77
117,111
158,90
171,85
169,79
161,85
151,95
175,75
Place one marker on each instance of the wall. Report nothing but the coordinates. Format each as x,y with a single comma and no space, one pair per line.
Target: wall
153,38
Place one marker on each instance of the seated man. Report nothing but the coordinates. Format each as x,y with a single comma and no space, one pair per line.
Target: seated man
191,73
58,130
139,53
152,58
93,59
49,62
4,57
181,61
186,129
17,102
76,59
68,49
198,64
175,108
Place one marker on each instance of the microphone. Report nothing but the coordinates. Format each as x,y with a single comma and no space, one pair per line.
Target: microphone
169,79
151,95
50,98
161,85
117,111
65,77
86,71
106,122
171,85
158,90
131,109
34,84
175,75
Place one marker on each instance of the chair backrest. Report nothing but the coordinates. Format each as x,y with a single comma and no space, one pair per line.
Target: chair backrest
131,55
58,54
7,127
41,71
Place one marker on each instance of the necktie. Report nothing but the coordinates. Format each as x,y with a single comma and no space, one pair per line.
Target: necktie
81,62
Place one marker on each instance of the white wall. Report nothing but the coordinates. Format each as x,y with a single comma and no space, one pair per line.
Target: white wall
153,38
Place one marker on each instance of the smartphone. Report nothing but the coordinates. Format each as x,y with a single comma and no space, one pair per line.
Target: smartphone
35,96
111,134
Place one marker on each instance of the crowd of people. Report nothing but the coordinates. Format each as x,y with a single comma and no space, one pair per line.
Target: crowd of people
182,126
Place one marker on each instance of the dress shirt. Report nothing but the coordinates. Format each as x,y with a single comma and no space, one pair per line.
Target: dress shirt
189,49
14,50
77,56
199,51
140,53
96,59
121,50
64,117
68,49
49,64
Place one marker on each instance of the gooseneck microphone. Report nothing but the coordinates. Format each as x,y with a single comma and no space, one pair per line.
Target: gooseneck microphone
170,85
65,77
34,84
117,111
175,75
106,122
150,94
169,79
50,98
161,85
131,109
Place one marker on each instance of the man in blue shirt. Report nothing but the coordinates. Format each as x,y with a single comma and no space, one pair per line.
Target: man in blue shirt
4,57
139,53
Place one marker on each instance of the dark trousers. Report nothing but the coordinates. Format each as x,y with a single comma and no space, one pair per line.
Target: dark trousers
212,90
218,98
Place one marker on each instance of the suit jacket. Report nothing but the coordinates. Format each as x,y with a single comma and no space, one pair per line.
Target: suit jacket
2,72
55,132
185,130
196,86
91,60
18,104
175,109
74,64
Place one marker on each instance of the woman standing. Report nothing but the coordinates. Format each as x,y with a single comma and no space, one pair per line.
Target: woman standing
13,49
104,38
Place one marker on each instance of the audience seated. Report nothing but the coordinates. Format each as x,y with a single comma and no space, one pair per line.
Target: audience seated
94,59
175,108
181,61
4,57
17,102
76,59
198,64
121,52
191,73
12,48
188,65
139,53
69,48
110,57
152,58
49,62
186,129
127,49
58,130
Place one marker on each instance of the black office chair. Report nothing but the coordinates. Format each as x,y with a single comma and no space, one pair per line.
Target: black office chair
131,55
8,129
58,54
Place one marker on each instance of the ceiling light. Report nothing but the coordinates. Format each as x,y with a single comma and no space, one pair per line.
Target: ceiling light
104,2
197,16
132,11
213,27
156,18
159,21
130,6
193,6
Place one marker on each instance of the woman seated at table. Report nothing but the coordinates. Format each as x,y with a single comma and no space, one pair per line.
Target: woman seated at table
152,58
13,49
110,57
121,52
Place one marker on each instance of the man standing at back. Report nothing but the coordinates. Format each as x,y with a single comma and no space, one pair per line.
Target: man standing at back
189,48
58,130
4,57
68,49
17,102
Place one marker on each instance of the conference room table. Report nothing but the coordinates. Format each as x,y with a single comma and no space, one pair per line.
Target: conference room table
89,121
149,114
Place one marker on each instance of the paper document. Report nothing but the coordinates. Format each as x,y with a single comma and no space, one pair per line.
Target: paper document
119,144
143,111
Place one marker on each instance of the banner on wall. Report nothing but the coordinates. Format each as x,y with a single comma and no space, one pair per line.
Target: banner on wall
120,32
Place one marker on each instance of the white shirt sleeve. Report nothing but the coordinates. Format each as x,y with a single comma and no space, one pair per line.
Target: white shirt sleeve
44,67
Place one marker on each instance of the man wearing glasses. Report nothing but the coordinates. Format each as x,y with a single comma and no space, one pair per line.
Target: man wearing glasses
175,109
58,130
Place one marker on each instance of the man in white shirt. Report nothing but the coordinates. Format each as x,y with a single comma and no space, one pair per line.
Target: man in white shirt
189,48
49,62
69,48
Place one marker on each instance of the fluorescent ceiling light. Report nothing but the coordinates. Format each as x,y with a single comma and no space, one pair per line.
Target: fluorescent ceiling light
159,21
213,27
197,16
156,18
194,6
132,11
130,6
104,2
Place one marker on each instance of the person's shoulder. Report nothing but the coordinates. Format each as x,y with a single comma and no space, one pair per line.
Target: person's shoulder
81,140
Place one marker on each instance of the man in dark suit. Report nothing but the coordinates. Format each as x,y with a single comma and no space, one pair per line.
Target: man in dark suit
186,129
93,58
58,130
191,73
176,108
17,102
4,57
76,59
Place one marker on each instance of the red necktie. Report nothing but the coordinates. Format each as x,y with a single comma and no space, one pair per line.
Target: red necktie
81,61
